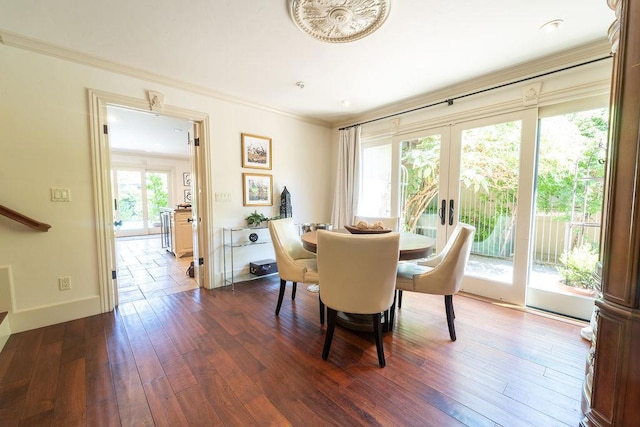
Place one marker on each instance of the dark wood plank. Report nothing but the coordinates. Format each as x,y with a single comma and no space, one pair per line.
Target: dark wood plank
70,407
221,357
41,396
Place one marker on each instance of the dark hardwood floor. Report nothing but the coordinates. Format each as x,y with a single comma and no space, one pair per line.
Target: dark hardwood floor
222,358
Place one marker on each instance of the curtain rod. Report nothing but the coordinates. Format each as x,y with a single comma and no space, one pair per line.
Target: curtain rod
449,101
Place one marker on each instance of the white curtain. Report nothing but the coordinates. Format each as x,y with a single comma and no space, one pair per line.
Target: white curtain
345,199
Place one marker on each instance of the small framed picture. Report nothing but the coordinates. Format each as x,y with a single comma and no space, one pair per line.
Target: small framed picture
187,196
186,179
257,189
256,151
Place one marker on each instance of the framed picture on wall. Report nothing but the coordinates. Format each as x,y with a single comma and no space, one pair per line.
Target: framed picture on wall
186,179
257,189
187,196
256,151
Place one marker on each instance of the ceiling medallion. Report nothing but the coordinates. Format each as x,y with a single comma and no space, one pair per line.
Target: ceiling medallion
339,21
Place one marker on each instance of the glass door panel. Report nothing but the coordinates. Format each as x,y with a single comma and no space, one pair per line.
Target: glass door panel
568,212
375,187
140,194
129,198
488,188
157,184
491,185
420,184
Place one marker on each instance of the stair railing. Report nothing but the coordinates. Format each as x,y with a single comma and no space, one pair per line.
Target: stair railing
23,219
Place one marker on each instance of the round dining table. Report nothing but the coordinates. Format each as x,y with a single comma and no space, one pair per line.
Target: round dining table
412,246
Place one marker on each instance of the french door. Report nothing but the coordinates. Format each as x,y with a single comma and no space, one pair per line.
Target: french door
478,172
139,196
485,173
491,181
568,210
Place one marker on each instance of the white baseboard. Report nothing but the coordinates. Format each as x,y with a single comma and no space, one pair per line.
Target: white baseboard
5,332
38,317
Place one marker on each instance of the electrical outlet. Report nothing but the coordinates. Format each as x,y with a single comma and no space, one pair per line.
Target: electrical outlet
64,283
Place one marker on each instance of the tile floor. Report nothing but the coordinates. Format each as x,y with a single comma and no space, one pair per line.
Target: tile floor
147,270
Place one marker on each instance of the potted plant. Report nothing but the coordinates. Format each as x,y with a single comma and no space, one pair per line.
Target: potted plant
578,267
255,219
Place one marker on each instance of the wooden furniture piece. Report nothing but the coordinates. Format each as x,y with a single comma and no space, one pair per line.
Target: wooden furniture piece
612,385
412,246
440,275
177,232
358,274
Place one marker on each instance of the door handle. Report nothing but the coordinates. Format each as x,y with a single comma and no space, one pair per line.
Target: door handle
450,211
189,219
441,211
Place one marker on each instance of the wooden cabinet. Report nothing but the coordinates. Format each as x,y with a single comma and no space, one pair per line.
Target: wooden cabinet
613,391
177,232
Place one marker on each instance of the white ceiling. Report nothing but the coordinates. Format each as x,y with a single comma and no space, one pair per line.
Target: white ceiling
250,50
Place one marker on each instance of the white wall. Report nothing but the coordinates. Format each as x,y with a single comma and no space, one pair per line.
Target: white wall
45,143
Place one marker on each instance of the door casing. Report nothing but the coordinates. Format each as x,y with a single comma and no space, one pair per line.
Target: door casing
100,150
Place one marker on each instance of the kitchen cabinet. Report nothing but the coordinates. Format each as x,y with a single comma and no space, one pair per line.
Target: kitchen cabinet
177,233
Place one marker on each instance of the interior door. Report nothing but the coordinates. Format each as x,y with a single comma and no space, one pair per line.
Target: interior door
196,200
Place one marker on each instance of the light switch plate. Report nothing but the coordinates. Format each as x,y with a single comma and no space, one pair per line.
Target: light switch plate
60,195
223,197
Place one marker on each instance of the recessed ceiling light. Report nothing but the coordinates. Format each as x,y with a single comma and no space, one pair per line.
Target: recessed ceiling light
551,26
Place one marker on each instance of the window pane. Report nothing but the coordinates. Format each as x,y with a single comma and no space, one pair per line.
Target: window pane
130,199
489,171
157,196
569,195
375,190
420,178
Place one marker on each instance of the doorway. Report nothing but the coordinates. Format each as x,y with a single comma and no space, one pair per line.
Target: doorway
104,160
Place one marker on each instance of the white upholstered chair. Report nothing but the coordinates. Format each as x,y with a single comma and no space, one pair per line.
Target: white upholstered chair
440,275
392,222
295,263
358,275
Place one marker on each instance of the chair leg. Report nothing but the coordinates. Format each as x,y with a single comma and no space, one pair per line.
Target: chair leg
283,285
331,325
377,330
385,325
392,317
448,305
293,292
321,304
399,299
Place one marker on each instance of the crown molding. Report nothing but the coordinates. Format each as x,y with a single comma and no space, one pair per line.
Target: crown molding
584,53
26,43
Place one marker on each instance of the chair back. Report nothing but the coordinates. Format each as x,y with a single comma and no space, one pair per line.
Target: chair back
391,222
357,272
287,247
446,276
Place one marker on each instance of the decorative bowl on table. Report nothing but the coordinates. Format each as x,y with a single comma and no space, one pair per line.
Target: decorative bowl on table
356,230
